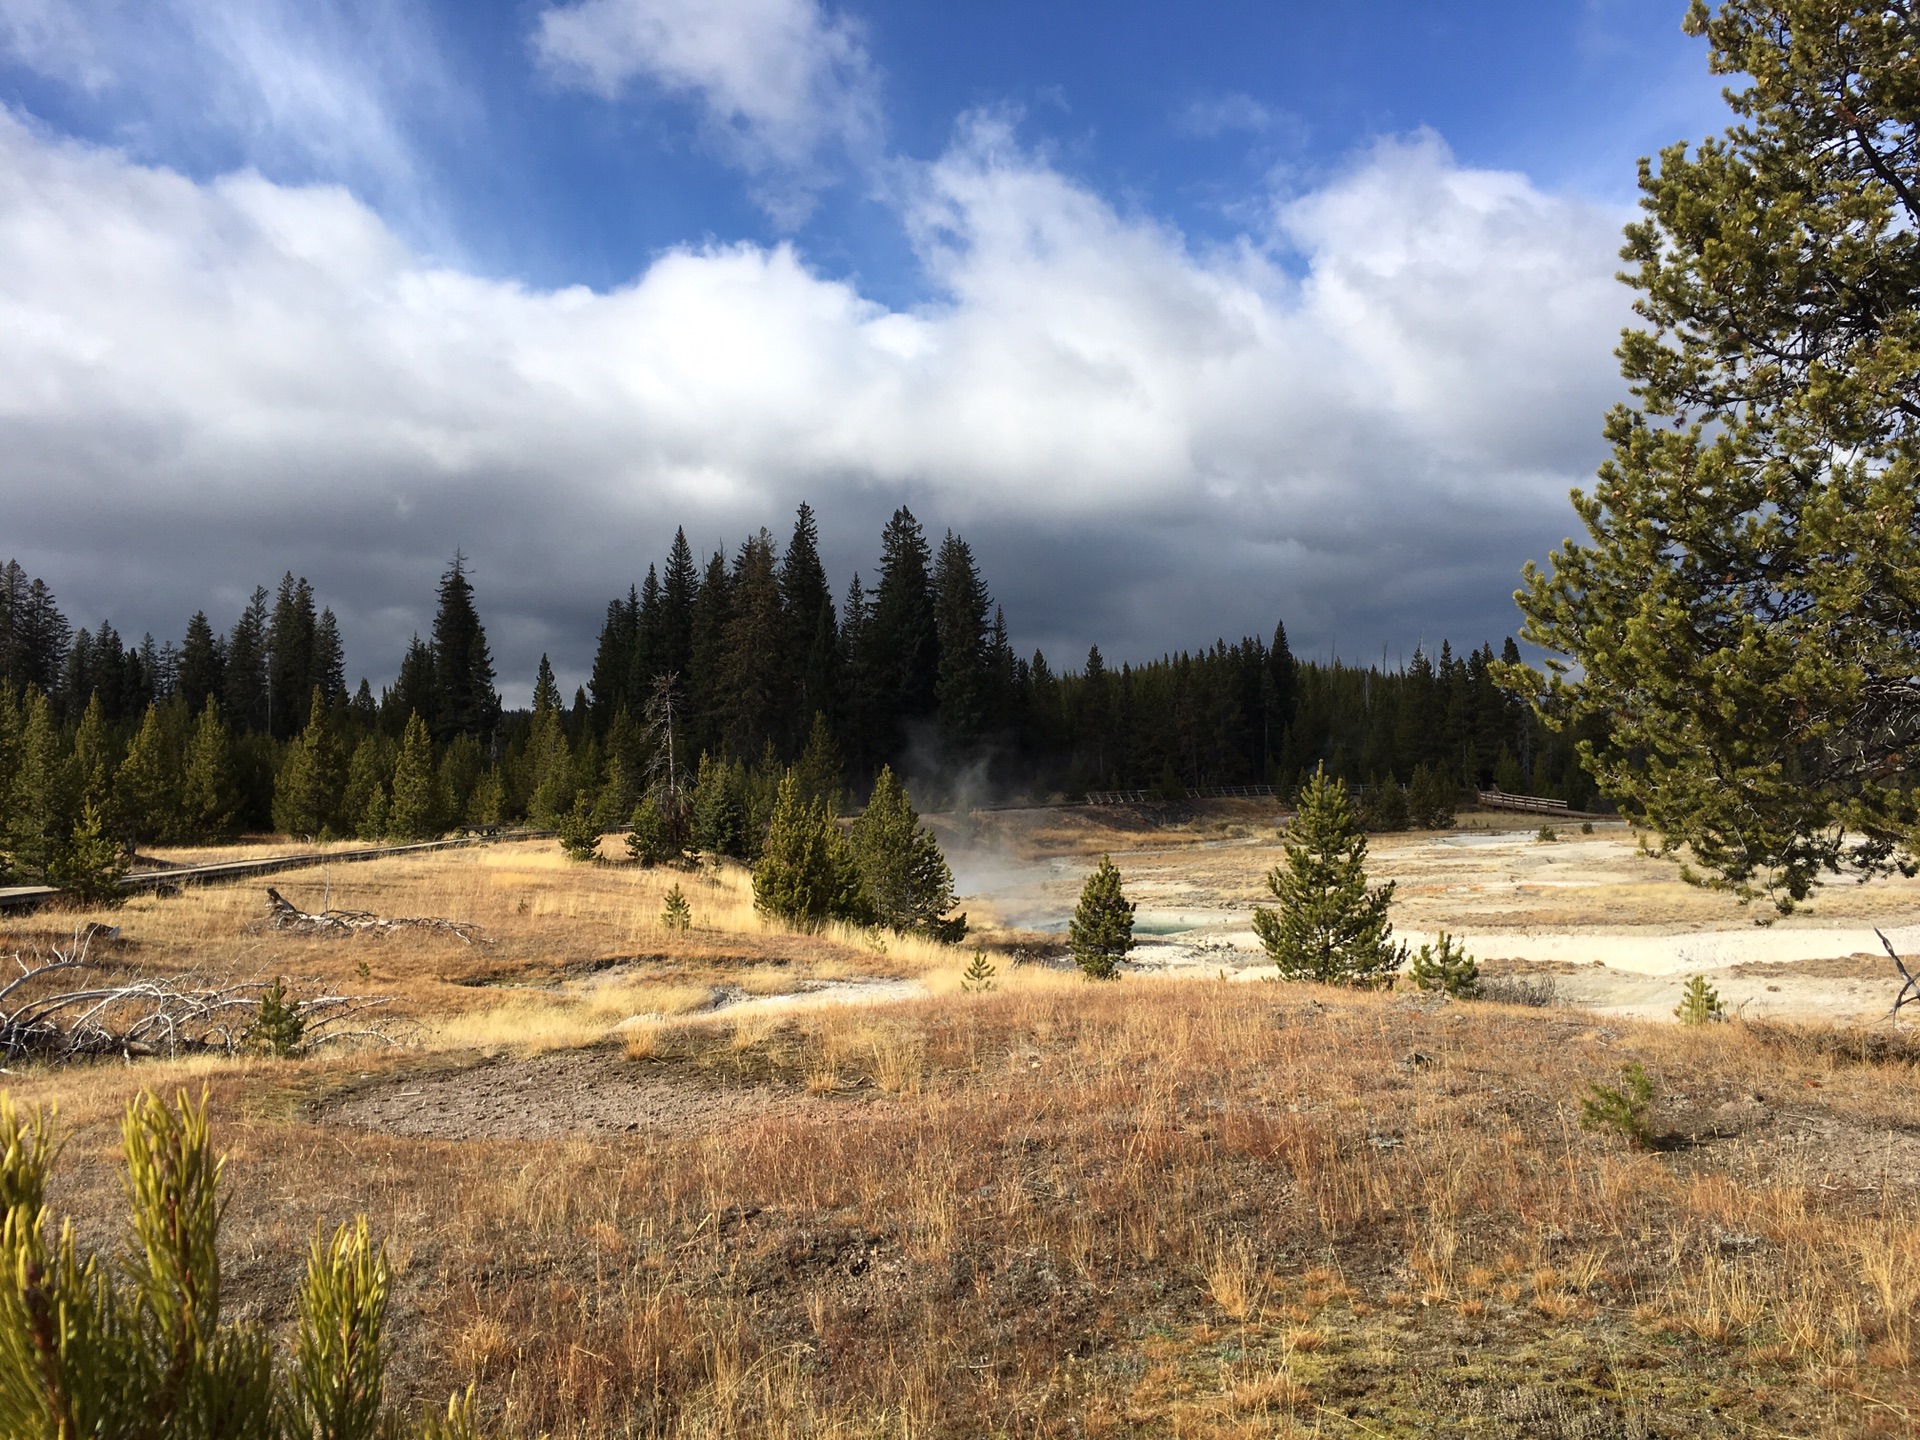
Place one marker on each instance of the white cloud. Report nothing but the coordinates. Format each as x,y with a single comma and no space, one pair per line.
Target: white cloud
49,36
779,81
203,385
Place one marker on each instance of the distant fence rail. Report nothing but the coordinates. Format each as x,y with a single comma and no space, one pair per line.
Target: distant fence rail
1532,804
1206,792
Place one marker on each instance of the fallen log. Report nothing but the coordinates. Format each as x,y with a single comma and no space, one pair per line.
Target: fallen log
283,914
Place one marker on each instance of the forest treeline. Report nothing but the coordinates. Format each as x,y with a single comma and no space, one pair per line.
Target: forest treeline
709,680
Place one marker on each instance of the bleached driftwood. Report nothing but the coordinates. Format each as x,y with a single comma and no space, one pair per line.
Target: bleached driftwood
44,1015
1909,993
285,915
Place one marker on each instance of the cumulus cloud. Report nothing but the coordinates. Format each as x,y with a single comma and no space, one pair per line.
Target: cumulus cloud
1362,421
779,81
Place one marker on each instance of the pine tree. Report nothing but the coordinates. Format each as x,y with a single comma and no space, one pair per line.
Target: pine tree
818,772
202,663
806,874
290,645
415,811
900,637
329,658
706,665
94,757
1430,799
908,882
1329,926
89,866
10,722
1101,931
147,785
756,663
363,806
1741,622
650,841
813,640
306,792
679,594
41,805
244,674
579,831
549,755
963,687
1445,966
464,700
414,689
209,797
719,808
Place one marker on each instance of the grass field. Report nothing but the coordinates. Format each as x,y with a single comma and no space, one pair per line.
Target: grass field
626,1194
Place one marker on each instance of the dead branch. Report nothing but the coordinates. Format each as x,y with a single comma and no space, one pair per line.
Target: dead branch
167,1015
283,914
1910,989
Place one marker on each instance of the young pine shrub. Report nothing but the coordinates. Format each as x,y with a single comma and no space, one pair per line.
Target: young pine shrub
650,842
807,873
1623,1111
579,831
136,1346
1446,966
1329,927
1101,931
977,978
907,880
280,1025
1699,1003
676,914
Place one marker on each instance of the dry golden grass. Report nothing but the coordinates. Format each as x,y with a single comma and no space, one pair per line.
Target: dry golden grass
1149,1208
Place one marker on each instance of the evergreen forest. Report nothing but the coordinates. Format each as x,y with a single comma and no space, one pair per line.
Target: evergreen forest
710,678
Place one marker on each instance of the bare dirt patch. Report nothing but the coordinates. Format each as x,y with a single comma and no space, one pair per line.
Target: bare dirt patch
593,1092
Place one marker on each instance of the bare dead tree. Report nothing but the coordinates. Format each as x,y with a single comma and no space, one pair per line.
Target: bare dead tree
1909,992
45,1015
283,914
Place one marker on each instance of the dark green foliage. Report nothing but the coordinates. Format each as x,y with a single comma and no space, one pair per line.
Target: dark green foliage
899,642
676,914
819,771
91,863
977,978
415,811
464,702
281,1024
40,803
907,881
1101,931
290,645
244,674
963,687
1446,966
650,841
306,792
1699,1003
806,874
1329,926
1430,799
135,1345
1741,623
719,825
146,787
209,795
579,831
1384,807
1623,1111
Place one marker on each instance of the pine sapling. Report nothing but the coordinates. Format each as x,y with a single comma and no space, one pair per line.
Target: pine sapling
1446,966
676,915
1699,1003
977,978
1623,1111
279,1027
579,831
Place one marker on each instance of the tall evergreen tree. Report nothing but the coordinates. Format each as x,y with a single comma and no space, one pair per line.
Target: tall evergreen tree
34,635
964,682
329,658
146,787
291,632
611,684
244,675
414,692
812,639
679,593
415,811
209,795
551,784
706,667
41,804
1742,621
900,638
756,663
306,792
907,881
464,701
202,663
1329,927
806,874
1101,931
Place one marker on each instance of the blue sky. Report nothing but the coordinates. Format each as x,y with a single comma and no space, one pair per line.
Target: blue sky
1191,317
